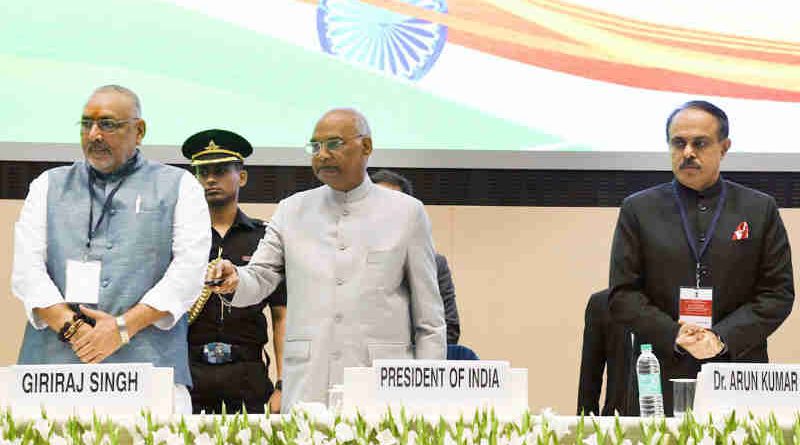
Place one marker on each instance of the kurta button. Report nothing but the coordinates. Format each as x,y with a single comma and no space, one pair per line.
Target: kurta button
336,355
342,247
345,212
339,281
105,282
109,246
338,318
702,207
113,211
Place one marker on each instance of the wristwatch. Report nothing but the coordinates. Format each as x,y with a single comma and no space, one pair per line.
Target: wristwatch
279,385
123,330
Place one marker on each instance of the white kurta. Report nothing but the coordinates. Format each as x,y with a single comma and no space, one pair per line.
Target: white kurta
361,282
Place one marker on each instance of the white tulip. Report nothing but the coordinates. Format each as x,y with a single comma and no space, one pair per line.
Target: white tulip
344,433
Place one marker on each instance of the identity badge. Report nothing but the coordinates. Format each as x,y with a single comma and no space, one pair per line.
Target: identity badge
695,305
83,281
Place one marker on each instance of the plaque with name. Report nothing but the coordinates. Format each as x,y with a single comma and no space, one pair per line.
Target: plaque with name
437,387
106,388
412,379
446,385
760,388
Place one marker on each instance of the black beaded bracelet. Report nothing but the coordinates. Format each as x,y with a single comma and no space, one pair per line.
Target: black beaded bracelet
81,316
279,385
62,333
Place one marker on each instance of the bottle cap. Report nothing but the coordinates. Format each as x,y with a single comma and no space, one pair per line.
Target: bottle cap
647,347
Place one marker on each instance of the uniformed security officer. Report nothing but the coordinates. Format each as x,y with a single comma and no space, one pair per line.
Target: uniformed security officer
226,344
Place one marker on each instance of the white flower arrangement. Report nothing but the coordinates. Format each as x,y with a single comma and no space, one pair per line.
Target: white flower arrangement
483,428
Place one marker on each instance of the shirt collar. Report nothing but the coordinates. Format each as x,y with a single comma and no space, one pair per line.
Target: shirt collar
243,220
710,192
130,166
354,195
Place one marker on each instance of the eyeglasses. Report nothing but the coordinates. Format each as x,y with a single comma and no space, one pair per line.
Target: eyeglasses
106,124
333,144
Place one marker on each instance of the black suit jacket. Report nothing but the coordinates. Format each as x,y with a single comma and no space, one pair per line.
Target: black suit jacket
448,292
751,278
606,345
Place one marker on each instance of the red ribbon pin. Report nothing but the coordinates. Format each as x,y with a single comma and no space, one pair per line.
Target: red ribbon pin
742,231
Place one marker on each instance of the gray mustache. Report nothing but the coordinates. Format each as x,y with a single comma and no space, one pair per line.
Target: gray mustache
98,146
688,163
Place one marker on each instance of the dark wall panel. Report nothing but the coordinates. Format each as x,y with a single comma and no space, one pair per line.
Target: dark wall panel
535,188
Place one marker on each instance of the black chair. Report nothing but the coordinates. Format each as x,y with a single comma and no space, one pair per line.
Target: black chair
460,352
607,352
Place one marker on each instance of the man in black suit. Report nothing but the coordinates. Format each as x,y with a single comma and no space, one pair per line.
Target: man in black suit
703,242
606,346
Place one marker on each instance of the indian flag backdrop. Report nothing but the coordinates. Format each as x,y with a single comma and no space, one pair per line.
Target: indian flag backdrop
429,74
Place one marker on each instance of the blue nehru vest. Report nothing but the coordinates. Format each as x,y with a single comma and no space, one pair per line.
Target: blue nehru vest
134,244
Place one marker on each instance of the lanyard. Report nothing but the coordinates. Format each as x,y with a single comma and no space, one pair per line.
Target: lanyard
698,254
106,207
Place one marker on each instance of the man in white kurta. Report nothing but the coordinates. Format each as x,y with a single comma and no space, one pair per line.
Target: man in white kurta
359,264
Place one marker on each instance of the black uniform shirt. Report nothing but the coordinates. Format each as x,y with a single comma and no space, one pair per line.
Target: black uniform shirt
238,326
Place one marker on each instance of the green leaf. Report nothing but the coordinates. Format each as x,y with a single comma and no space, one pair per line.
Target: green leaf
579,429
598,430
619,433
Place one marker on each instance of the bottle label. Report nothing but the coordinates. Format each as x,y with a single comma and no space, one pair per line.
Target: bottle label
649,385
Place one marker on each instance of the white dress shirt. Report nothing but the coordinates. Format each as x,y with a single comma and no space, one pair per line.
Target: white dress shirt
174,293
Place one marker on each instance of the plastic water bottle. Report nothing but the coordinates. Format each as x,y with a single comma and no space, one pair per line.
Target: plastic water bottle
651,401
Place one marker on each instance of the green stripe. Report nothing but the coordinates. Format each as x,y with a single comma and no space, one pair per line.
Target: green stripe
194,72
